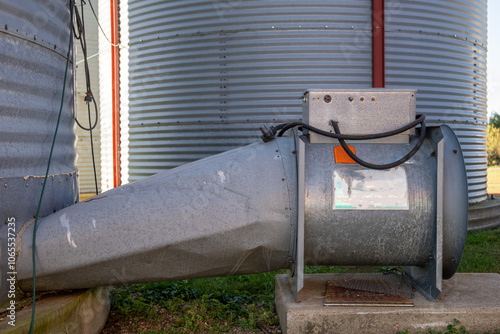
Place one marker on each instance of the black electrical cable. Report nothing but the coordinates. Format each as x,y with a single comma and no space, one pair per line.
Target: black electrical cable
102,30
284,127
269,134
384,166
89,97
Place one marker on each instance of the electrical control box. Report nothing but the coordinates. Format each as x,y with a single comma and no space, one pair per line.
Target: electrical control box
360,112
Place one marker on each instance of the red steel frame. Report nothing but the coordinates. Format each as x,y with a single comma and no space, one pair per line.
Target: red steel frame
378,44
115,93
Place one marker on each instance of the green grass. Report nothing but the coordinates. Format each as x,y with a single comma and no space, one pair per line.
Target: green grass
493,180
222,304
482,252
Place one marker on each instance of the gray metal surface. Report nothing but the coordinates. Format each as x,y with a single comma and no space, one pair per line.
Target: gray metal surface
236,213
455,206
34,38
439,48
204,75
224,215
428,278
390,232
296,272
360,112
84,162
106,94
369,236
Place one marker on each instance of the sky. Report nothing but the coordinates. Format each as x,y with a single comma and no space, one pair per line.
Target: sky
493,56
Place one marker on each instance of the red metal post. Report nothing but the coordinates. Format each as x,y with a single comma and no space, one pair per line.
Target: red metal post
378,44
115,93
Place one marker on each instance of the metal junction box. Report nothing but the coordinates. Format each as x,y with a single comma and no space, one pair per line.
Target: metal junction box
360,112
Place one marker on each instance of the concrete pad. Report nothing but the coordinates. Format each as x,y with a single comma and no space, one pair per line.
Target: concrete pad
473,299
82,311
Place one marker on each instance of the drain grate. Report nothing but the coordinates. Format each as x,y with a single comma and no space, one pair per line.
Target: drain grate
368,290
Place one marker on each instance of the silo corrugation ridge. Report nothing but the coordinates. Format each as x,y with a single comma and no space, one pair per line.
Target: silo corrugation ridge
84,162
34,38
440,49
205,75
31,88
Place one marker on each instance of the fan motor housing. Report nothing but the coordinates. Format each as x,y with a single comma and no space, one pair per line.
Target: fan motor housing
412,215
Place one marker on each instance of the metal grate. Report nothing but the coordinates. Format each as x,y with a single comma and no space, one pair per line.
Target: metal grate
388,289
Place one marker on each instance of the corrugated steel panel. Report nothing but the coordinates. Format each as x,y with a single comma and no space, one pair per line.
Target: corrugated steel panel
105,97
439,47
34,38
84,162
33,46
205,75
124,83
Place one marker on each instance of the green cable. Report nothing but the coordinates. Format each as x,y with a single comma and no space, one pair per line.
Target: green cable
48,166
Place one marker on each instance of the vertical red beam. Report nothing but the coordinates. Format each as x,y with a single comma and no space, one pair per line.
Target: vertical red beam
378,44
115,93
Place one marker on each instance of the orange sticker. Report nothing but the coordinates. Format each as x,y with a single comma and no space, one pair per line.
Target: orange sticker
341,156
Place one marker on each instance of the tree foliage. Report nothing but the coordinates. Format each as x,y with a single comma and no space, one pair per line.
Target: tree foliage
495,120
493,146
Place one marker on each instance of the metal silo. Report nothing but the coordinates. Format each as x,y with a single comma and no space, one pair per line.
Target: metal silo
34,42
205,75
84,162
439,47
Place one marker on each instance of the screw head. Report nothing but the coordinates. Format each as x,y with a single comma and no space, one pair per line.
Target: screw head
351,99
327,98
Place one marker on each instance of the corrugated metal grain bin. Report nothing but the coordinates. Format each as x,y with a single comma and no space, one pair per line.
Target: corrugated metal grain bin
205,75
84,162
34,41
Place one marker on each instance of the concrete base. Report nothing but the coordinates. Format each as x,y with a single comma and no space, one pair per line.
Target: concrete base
82,311
473,299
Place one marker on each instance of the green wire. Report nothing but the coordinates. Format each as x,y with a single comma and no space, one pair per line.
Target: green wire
48,166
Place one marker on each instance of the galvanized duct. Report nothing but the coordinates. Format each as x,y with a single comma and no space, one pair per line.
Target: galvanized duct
34,39
204,75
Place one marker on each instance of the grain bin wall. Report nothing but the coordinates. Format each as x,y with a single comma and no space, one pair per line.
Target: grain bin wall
34,40
205,75
84,162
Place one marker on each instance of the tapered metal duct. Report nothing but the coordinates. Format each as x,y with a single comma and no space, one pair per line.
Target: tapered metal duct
204,75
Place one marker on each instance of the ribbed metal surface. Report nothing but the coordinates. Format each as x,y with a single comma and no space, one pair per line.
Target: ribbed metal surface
105,85
34,38
124,84
84,162
33,46
439,47
205,75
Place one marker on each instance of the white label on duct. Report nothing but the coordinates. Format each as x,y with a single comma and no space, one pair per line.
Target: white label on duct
369,189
